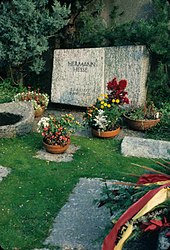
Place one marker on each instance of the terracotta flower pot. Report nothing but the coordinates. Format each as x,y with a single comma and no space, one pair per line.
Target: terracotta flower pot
39,112
55,149
141,125
106,134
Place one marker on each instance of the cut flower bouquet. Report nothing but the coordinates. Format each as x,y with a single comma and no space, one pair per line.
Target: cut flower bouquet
57,130
106,113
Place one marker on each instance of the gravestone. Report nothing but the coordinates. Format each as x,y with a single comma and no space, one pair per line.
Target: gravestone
80,75
77,76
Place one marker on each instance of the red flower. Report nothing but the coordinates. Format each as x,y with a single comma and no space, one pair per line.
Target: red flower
154,224
122,84
117,90
126,100
112,84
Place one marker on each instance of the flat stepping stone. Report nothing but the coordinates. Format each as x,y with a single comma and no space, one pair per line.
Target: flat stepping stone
65,157
4,172
80,224
148,148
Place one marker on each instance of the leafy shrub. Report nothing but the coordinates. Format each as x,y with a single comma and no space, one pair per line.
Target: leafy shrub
7,91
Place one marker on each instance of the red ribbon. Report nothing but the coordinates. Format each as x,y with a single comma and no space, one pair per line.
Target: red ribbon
152,178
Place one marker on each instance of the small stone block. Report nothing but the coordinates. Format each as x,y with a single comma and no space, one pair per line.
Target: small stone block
148,148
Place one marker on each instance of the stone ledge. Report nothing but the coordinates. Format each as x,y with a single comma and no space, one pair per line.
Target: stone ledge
148,148
24,126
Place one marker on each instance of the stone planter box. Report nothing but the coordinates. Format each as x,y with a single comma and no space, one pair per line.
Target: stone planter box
24,125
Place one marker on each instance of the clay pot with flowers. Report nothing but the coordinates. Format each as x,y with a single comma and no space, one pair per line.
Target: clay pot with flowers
56,132
142,117
104,117
39,100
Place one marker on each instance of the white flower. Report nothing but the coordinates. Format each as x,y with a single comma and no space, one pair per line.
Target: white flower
157,115
43,123
101,120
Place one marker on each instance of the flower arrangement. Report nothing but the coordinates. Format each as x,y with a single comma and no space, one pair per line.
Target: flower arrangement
39,100
140,207
105,114
57,130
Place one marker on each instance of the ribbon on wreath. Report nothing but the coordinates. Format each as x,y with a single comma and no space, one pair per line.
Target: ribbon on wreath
124,226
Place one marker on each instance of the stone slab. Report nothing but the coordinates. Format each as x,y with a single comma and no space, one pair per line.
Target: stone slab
148,148
77,76
80,224
80,75
4,172
65,157
130,63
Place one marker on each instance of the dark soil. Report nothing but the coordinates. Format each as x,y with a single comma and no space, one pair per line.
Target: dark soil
148,241
9,119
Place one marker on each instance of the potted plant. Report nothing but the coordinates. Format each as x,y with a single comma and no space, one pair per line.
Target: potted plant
105,115
142,117
39,100
56,132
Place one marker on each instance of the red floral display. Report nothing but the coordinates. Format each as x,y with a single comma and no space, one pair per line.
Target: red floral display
117,91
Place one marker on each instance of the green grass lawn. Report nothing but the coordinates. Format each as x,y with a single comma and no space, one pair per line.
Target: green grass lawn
34,192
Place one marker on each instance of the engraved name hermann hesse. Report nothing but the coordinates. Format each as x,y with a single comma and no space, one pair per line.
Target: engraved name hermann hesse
81,66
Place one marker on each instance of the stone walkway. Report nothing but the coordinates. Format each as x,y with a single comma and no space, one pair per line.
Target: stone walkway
80,224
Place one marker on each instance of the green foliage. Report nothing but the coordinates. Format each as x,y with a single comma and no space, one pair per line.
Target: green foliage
91,27
144,112
119,197
162,130
158,87
25,28
7,91
154,33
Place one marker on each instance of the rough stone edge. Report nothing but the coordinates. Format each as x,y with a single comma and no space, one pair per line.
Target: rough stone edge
4,173
22,127
126,139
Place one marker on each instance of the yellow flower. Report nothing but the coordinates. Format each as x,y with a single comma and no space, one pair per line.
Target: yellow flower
108,105
102,102
113,100
106,95
102,107
117,100
99,98
105,104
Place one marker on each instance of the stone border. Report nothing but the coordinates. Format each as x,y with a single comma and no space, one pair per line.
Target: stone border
65,157
149,148
24,126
